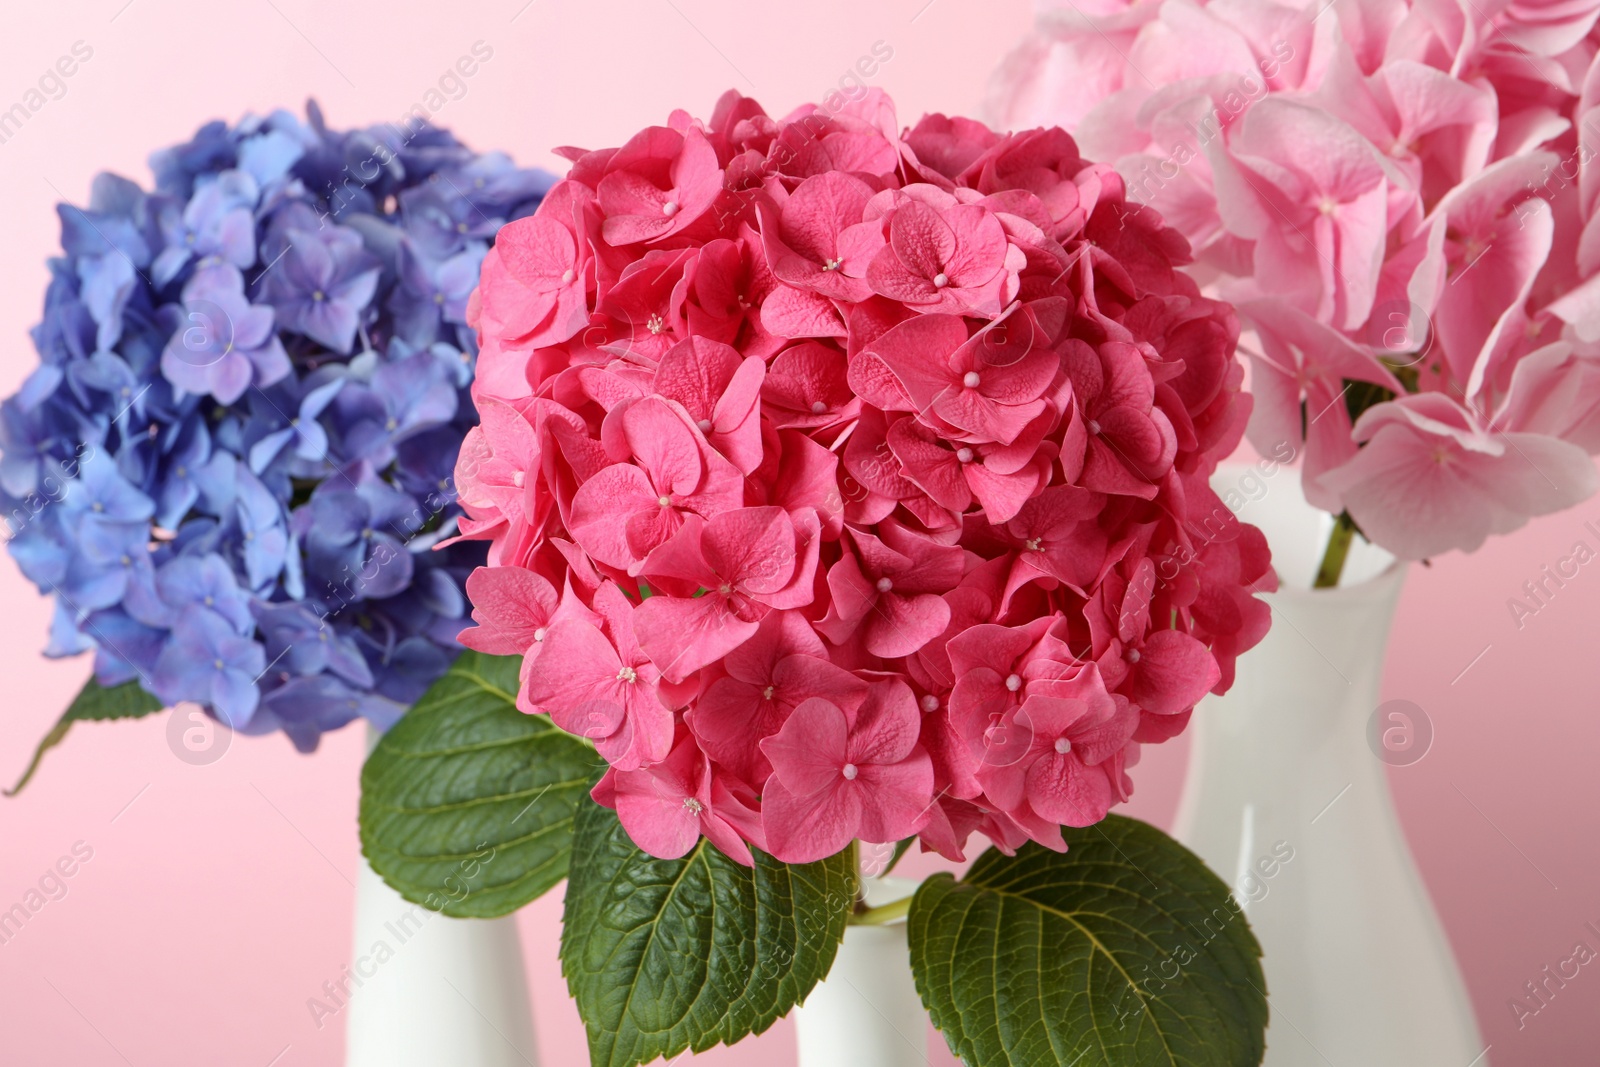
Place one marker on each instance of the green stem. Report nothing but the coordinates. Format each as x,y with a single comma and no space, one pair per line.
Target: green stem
886,913
1332,565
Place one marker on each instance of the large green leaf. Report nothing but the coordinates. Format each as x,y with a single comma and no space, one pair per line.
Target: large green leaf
667,955
467,803
93,702
1125,950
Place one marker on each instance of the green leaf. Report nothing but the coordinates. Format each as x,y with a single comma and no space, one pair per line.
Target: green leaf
667,955
467,803
93,702
1125,950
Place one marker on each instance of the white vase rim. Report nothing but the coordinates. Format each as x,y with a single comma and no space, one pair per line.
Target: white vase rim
1376,586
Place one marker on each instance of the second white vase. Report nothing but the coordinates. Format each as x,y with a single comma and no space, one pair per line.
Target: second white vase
1287,800
866,1013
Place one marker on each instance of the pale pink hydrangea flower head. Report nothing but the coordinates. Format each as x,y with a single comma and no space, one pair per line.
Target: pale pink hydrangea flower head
1401,199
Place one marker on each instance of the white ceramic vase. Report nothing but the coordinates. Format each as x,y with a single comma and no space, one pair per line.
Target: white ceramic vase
866,1013
425,989
1287,799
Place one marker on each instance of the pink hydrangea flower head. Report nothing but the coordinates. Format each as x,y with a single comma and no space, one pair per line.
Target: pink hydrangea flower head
843,489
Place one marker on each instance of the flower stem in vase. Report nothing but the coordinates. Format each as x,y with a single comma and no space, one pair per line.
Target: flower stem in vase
886,913
1333,557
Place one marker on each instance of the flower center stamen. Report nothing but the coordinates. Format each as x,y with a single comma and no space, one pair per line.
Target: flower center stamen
1013,682
1063,746
627,674
884,585
849,772
970,379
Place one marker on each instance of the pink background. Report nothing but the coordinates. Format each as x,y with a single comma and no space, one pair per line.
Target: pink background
218,898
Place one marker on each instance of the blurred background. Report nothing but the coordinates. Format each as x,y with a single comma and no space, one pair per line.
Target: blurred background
216,896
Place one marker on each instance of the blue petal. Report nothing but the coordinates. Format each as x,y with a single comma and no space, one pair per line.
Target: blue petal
65,637
264,451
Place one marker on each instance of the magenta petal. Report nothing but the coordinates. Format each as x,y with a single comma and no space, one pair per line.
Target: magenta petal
1002,495
885,728
808,752
801,676
648,529
1065,791
664,446
695,373
790,312
934,468
899,625
721,833
661,826
819,210
782,634
1174,671
754,548
896,798
852,598
682,635
651,803
803,829
918,352
730,720
575,678
510,606
537,252
601,510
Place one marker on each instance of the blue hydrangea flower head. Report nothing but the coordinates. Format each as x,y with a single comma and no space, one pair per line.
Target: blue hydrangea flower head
232,467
